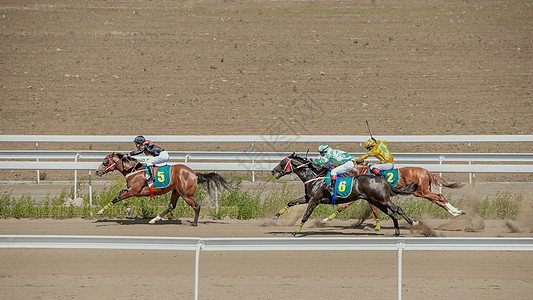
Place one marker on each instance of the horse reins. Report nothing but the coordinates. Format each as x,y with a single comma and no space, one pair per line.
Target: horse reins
289,169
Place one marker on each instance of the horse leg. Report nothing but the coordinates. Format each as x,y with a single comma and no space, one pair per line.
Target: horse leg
298,201
341,208
123,194
389,208
173,200
190,200
440,201
404,215
310,208
375,212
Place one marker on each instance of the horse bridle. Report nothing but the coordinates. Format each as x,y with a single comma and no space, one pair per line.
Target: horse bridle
289,168
112,166
109,165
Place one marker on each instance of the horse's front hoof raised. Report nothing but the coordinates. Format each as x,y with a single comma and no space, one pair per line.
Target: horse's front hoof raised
275,217
100,212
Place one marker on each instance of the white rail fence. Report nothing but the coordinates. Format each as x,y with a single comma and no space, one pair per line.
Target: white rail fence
263,161
197,244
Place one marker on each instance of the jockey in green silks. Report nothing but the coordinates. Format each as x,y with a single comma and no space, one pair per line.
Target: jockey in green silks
379,150
330,157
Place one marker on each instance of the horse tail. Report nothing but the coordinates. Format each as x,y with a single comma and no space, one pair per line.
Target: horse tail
408,189
435,180
211,179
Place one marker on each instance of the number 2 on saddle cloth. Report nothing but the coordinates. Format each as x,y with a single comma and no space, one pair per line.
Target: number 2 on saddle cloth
343,186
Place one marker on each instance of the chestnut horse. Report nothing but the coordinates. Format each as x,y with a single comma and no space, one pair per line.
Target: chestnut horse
420,176
376,190
183,183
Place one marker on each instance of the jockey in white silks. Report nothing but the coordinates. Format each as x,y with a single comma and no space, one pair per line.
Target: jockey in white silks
330,157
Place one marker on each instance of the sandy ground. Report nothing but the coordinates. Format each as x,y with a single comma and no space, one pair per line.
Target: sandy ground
262,67
90,274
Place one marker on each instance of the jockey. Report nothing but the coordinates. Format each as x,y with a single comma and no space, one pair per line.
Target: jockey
379,150
343,160
157,153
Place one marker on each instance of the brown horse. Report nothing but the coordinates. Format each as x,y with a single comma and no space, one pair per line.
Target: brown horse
183,183
422,177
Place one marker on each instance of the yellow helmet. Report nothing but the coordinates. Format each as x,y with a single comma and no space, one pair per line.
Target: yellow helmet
370,143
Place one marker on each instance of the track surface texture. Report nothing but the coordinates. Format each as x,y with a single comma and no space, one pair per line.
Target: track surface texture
265,67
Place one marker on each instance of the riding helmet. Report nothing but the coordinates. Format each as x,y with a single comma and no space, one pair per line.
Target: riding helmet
370,143
139,139
323,148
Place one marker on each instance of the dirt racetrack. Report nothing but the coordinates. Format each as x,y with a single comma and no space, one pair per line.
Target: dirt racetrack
90,274
129,67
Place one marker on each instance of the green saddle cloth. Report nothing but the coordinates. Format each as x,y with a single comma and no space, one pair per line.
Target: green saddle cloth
161,176
344,185
392,176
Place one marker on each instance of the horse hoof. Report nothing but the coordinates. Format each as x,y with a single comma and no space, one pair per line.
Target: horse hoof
275,217
100,212
415,223
324,221
152,221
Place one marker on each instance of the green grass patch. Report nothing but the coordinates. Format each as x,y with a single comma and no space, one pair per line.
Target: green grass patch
238,204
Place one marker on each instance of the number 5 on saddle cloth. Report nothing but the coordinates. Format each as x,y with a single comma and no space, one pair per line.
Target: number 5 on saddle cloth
161,176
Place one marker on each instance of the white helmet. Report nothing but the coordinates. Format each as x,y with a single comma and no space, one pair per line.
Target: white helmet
323,148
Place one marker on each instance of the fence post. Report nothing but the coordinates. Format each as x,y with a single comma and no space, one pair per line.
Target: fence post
199,247
401,246
469,162
90,194
253,172
38,172
441,158
76,177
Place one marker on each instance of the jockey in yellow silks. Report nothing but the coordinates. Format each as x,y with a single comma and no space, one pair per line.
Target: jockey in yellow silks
379,150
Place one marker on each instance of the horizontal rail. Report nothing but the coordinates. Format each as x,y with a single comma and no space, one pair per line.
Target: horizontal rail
266,244
245,166
267,138
263,156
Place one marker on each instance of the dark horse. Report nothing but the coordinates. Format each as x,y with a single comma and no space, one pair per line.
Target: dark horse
422,177
376,190
183,182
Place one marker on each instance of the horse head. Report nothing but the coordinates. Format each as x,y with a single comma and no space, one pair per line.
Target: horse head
289,164
116,161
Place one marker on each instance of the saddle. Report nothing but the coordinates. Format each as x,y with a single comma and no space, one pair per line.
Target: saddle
358,169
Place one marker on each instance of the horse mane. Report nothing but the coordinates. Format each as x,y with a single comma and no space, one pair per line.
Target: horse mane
313,166
122,156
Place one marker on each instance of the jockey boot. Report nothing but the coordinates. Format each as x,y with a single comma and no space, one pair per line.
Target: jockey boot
150,176
331,186
377,172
